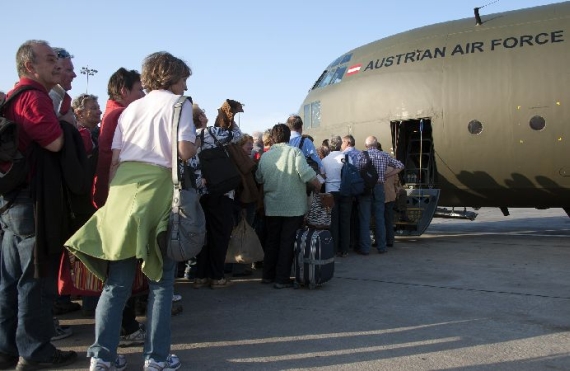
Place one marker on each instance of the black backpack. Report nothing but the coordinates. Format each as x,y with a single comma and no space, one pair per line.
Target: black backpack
218,169
10,157
369,174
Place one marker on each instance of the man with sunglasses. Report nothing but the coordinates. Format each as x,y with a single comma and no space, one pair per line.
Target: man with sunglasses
28,260
58,94
62,107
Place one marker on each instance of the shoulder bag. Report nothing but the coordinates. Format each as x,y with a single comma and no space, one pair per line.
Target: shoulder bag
187,224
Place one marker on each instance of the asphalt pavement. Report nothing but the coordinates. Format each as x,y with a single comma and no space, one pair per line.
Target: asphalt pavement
490,294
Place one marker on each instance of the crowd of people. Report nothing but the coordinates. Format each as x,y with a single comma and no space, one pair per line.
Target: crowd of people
101,188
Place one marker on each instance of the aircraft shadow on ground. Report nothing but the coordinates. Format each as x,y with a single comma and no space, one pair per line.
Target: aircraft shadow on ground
483,190
534,225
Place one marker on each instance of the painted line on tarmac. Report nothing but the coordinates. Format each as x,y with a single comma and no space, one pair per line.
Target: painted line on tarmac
456,288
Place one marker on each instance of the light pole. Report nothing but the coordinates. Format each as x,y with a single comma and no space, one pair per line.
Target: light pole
88,72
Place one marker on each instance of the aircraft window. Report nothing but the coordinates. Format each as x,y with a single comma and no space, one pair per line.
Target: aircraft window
318,82
315,114
537,123
339,73
307,116
475,127
346,58
327,79
312,115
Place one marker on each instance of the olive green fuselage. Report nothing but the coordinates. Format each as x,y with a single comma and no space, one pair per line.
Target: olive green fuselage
496,98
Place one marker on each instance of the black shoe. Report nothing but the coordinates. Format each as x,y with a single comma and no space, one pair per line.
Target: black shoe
360,252
283,285
382,251
390,245
59,359
8,362
60,308
176,309
267,280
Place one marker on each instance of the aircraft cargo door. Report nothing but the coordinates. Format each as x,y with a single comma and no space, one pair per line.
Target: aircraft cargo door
413,145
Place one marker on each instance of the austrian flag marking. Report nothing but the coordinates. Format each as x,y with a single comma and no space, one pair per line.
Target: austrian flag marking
353,69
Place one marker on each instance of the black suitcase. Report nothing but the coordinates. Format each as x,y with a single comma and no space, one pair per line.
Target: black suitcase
314,257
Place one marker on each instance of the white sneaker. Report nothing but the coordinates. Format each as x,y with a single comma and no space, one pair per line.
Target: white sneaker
136,338
172,364
97,364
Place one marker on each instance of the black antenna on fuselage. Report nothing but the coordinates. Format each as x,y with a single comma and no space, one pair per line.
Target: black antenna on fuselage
478,20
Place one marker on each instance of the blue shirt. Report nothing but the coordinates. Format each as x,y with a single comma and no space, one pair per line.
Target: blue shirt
308,147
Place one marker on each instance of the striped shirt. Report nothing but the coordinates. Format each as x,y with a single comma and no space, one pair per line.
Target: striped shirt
381,161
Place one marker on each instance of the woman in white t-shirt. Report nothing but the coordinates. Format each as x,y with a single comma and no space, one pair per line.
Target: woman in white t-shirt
125,230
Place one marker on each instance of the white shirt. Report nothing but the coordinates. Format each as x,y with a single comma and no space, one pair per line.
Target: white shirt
144,129
332,164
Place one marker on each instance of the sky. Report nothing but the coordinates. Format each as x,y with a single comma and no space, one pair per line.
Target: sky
265,54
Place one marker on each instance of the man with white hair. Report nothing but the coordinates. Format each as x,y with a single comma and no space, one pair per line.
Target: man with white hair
374,202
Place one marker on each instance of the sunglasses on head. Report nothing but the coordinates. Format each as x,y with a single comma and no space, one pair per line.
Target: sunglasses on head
62,53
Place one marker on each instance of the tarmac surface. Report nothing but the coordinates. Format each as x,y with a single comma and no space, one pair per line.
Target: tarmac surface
490,294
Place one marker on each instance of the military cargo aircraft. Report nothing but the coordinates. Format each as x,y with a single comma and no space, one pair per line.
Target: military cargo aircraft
477,109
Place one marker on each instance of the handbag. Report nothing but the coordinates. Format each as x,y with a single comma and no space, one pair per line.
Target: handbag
319,215
244,246
75,279
218,169
187,223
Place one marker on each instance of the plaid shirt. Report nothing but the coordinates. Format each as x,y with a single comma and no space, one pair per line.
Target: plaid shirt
381,161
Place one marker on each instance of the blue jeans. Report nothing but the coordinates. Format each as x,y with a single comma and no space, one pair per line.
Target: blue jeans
368,205
109,312
389,222
26,321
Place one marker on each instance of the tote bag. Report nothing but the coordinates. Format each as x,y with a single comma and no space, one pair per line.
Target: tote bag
244,246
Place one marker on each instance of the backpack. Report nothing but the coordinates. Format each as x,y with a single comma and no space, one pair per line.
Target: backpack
218,169
10,157
369,174
351,183
312,163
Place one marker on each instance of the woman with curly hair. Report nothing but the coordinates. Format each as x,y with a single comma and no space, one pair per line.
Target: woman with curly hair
132,224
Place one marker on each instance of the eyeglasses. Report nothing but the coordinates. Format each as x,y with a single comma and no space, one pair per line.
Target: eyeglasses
62,53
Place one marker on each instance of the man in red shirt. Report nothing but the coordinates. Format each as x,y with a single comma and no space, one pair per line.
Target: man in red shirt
124,88
88,113
26,327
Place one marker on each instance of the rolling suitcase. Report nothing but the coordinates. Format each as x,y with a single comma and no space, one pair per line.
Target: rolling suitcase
314,257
